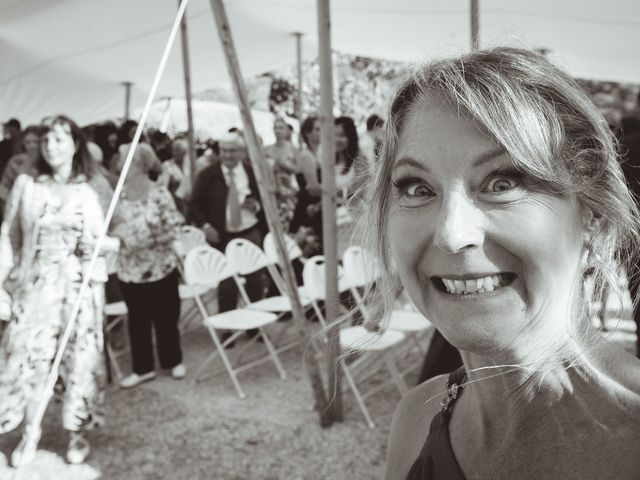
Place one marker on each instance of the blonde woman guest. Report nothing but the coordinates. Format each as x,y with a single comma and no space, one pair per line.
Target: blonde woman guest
51,225
176,174
281,157
497,188
144,153
147,272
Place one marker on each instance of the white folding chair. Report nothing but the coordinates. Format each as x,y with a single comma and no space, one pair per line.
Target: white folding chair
362,269
245,258
207,266
343,216
356,339
269,247
188,238
115,314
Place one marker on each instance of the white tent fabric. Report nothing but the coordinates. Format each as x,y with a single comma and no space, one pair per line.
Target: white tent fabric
71,56
211,119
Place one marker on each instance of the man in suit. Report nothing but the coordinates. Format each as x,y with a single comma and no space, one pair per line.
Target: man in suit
225,203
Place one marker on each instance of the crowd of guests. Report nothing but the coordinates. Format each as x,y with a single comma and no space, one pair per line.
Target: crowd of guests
57,181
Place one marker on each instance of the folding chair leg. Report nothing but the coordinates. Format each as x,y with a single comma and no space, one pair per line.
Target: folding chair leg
415,339
196,376
189,317
273,353
225,361
113,361
356,393
111,353
395,373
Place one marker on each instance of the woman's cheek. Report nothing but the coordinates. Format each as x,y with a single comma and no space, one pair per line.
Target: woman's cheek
405,243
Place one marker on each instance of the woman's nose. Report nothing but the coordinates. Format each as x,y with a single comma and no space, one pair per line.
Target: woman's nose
459,224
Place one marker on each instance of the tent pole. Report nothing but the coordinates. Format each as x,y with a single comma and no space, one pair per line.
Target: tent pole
327,147
187,86
474,25
127,99
256,156
300,108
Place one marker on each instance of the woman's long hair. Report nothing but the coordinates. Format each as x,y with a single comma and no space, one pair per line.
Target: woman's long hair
353,149
552,132
82,161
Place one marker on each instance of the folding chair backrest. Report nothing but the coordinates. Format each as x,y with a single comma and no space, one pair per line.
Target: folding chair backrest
343,216
313,276
269,246
245,257
204,265
188,238
361,267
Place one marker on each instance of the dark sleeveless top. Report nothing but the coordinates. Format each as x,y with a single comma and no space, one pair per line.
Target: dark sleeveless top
436,460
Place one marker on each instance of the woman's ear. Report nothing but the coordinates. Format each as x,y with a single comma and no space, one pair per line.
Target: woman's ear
591,224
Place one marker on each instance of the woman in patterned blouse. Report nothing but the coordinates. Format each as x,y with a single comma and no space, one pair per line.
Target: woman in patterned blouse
147,271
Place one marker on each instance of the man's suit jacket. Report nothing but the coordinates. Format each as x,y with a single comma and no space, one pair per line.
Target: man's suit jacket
209,199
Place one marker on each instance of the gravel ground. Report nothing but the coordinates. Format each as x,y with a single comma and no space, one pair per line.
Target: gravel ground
168,429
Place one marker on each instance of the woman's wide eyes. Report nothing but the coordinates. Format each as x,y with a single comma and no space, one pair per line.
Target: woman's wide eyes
412,189
417,190
501,184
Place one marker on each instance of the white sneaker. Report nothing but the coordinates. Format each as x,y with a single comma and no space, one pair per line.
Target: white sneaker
179,371
78,449
134,379
26,450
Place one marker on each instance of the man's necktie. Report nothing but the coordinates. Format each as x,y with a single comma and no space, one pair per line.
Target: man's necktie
233,202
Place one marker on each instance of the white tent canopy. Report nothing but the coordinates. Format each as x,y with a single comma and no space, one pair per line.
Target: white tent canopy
71,56
211,119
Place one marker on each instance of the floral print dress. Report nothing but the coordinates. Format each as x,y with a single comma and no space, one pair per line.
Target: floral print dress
42,241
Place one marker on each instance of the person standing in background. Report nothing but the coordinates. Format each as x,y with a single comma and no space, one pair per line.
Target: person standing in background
226,205
630,150
281,158
371,141
176,174
11,144
147,273
21,163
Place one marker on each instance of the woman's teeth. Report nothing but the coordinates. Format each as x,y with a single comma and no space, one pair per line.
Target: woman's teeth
477,285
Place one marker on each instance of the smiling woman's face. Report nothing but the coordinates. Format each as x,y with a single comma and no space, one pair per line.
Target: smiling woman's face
57,146
484,252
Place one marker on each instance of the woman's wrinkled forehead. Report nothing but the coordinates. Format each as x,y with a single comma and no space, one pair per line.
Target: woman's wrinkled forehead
431,125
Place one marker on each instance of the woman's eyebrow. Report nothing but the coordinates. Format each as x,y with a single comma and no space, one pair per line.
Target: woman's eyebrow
487,156
409,162
480,160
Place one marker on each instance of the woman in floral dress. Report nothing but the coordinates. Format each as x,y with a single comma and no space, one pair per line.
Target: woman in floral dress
52,221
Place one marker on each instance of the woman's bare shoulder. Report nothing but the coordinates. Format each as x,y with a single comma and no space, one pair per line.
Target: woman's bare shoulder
410,425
